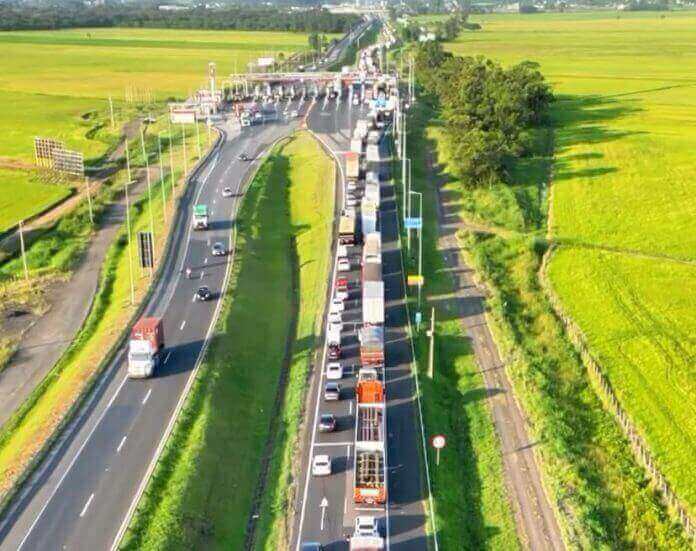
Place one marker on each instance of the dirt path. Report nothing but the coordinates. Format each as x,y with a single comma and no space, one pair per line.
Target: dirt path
536,522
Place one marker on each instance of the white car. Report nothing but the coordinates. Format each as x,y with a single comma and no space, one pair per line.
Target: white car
334,371
227,192
335,317
321,465
337,305
342,251
343,265
294,114
356,100
342,295
351,201
351,186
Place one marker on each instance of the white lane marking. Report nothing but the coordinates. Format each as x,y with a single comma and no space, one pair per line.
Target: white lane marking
214,201
166,358
205,261
183,324
84,509
120,444
147,396
350,408
70,466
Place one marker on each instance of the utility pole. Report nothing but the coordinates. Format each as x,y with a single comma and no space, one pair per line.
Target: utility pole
403,165
89,201
111,111
24,251
431,349
128,228
198,139
159,155
183,135
149,195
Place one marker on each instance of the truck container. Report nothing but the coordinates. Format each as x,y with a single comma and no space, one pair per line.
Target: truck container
346,230
361,128
372,192
372,272
372,250
352,165
369,476
371,338
368,217
356,145
200,217
369,425
333,335
372,154
373,302
145,347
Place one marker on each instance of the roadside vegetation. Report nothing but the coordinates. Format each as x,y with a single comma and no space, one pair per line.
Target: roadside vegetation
623,204
602,497
54,399
205,483
472,508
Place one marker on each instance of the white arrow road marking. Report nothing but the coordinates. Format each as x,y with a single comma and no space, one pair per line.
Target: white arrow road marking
183,324
324,504
84,509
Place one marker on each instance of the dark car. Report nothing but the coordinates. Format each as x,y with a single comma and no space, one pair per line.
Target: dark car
243,157
203,293
334,352
332,392
311,546
327,422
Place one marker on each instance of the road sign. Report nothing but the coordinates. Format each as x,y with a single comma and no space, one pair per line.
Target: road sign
419,318
413,223
145,249
438,441
414,280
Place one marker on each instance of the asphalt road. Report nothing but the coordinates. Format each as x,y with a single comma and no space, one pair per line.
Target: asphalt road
403,520
79,497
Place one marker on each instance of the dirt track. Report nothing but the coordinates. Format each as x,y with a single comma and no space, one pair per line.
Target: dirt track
535,519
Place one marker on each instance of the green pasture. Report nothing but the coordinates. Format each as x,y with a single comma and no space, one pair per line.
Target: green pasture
57,83
624,200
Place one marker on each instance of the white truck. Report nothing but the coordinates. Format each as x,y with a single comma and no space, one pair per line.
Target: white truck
366,535
372,153
145,347
200,217
373,302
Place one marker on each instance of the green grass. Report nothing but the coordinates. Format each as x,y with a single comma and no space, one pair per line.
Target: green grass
58,82
201,493
625,132
471,505
24,195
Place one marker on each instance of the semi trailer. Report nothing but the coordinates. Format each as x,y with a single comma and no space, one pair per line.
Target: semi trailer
145,347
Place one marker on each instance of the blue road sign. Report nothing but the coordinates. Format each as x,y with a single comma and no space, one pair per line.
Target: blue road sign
413,223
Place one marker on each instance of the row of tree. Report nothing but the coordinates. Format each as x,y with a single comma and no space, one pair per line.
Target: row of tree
488,110
242,18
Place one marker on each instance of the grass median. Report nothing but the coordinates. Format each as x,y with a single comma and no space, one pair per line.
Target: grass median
204,486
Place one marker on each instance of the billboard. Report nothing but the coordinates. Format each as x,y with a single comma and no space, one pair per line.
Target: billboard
265,61
182,116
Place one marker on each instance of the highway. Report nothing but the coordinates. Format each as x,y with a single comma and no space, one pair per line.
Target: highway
325,512
79,497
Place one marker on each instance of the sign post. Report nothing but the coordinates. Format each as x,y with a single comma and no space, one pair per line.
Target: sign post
438,442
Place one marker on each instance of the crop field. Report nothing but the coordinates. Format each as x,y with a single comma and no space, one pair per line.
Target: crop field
624,202
58,83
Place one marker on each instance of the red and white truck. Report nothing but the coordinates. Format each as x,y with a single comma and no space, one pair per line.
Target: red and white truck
145,347
352,165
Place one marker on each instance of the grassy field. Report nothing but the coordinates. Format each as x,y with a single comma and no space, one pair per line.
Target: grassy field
37,418
58,82
201,493
623,201
24,194
472,508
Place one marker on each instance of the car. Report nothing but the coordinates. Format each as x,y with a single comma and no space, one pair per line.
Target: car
332,392
337,306
342,294
342,251
227,192
356,100
351,186
342,284
351,201
334,351
244,156
335,317
218,249
311,546
343,265
203,293
334,371
294,114
321,465
366,526
327,422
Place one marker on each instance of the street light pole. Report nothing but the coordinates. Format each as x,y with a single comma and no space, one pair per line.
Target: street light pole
159,155
128,227
183,136
431,349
